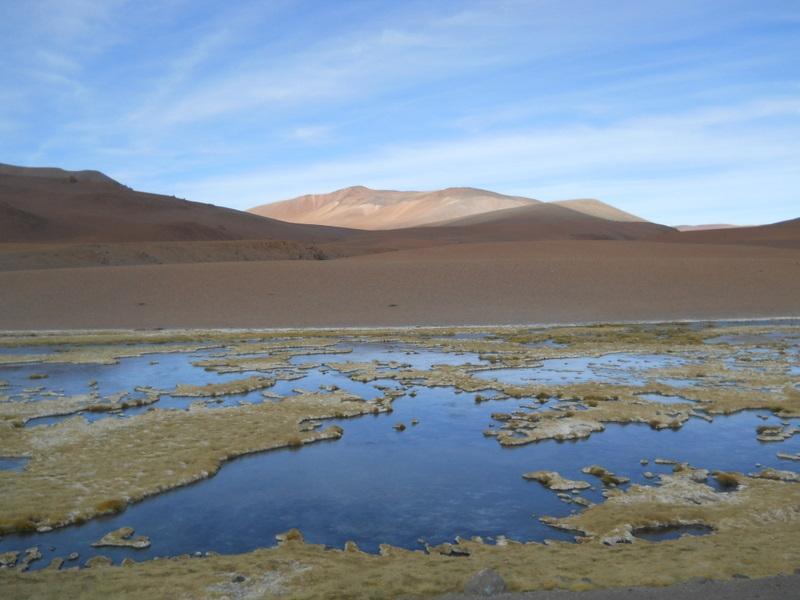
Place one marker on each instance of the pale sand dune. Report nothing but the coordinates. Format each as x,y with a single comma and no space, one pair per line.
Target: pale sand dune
535,282
360,207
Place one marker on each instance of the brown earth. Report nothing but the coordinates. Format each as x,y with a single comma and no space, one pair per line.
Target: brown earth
17,257
43,205
521,282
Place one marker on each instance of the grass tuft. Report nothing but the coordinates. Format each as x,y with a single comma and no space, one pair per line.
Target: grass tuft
295,441
727,480
111,506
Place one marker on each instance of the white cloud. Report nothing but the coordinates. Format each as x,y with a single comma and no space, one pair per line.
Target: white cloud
662,166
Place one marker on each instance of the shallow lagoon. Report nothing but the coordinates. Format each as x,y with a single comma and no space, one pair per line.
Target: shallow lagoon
434,481
609,368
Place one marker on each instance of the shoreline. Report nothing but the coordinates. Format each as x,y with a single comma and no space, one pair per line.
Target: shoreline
735,321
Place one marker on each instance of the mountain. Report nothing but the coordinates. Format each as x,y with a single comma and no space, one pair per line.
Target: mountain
535,222
55,206
596,208
360,207
705,227
547,220
784,234
56,173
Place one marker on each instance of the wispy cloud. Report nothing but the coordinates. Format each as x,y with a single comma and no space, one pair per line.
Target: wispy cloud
631,162
249,102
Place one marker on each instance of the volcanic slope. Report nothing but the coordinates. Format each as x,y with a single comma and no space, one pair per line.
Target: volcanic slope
364,208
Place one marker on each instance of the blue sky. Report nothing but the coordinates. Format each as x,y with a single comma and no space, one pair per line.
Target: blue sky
682,112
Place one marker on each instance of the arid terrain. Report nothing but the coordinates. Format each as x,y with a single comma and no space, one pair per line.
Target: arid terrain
535,282
81,250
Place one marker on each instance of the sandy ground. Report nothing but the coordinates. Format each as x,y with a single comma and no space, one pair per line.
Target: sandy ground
500,283
772,588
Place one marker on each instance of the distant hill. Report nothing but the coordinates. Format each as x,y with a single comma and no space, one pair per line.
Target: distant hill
57,174
596,208
705,227
52,205
784,234
360,207
546,220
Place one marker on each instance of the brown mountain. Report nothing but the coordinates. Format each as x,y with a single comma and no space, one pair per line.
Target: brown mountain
53,205
546,220
360,207
596,208
533,222
56,173
784,234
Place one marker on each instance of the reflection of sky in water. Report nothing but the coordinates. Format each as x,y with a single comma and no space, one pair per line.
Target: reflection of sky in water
160,371
313,380
436,480
416,357
663,399
12,463
609,368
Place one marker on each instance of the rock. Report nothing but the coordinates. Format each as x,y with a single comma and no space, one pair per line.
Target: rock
31,554
127,562
238,578
123,538
487,582
648,475
566,428
644,461
8,559
775,433
98,561
777,475
665,461
350,546
448,550
607,477
335,431
621,535
55,564
785,456
554,481
293,535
